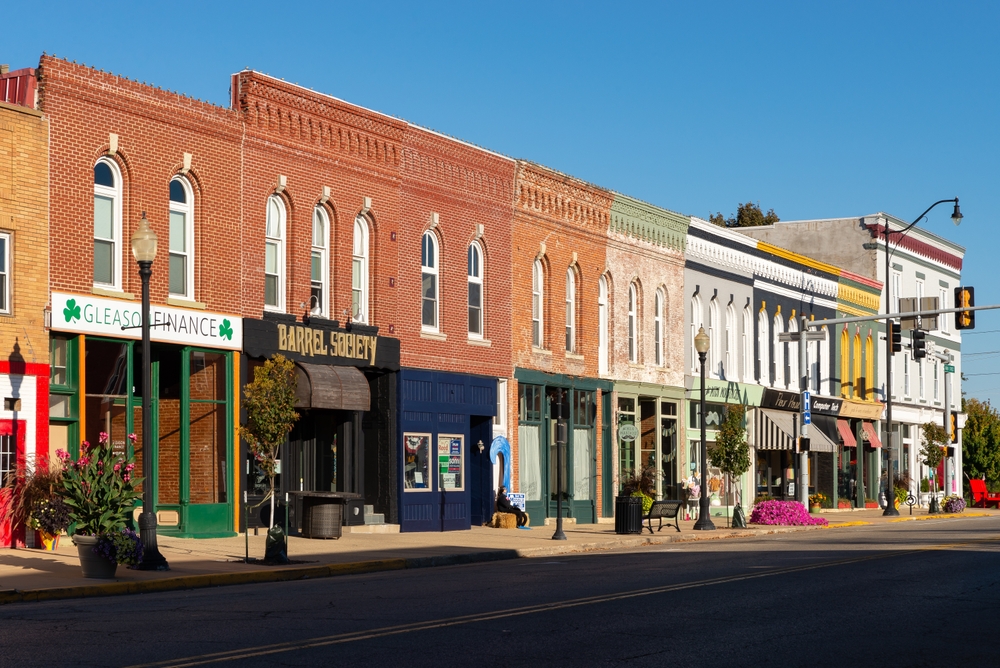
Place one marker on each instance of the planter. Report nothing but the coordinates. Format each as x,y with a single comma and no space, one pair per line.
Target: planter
93,564
815,509
628,514
49,541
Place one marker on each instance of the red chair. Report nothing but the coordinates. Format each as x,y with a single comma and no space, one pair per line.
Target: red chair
981,496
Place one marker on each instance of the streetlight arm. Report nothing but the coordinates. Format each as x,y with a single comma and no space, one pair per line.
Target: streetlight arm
918,218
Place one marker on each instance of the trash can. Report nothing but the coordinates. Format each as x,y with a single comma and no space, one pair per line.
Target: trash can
321,517
628,514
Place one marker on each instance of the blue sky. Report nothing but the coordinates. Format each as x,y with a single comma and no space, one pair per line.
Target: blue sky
815,110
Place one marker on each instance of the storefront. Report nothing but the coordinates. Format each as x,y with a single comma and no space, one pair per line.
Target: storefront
345,397
97,387
446,425
539,397
858,467
648,434
776,428
723,494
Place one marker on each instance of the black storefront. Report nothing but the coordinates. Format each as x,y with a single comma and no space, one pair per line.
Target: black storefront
344,440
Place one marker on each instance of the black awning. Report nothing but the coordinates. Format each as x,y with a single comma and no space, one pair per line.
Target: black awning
342,388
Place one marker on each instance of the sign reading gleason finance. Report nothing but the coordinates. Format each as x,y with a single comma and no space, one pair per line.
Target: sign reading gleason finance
85,314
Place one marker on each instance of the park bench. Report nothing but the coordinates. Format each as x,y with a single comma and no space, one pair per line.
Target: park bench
981,496
664,509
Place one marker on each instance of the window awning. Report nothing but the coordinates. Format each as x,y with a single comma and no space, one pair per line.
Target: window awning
872,434
844,427
774,430
819,434
342,388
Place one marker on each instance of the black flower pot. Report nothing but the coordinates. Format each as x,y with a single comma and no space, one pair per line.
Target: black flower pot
628,514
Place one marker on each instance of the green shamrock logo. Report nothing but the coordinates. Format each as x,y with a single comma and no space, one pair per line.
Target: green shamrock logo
225,330
72,310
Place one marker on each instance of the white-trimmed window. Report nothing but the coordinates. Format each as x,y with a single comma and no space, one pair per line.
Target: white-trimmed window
476,273
730,370
658,327
937,395
633,332
5,272
897,281
747,345
107,224
696,323
429,261
824,363
779,352
602,323
714,344
319,264
906,374
794,373
537,293
945,318
181,238
763,348
274,255
570,311
359,271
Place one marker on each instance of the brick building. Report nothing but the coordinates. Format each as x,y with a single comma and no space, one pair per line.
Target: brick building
24,245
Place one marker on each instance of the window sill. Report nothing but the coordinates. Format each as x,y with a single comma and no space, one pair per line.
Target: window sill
576,357
485,343
185,303
540,351
111,292
432,335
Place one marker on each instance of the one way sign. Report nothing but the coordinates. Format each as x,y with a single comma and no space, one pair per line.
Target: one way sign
806,409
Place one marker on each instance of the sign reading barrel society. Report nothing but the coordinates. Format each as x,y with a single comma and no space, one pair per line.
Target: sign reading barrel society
320,343
85,314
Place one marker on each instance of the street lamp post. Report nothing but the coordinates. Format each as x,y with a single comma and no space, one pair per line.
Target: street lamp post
956,217
144,250
561,433
704,522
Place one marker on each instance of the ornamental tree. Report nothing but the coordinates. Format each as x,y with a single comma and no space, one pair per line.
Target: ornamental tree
935,440
730,451
270,405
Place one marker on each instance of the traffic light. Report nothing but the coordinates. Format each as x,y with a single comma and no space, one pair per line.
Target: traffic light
951,451
965,297
954,427
897,338
919,343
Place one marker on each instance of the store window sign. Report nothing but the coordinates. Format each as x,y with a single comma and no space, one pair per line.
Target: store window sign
93,315
628,432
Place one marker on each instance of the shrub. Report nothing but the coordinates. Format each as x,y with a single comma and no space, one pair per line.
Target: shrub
925,485
954,504
783,513
647,501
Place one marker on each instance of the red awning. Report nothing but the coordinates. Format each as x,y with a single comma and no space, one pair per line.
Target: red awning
871,434
844,427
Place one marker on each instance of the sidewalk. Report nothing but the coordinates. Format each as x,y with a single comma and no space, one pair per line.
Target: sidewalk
28,574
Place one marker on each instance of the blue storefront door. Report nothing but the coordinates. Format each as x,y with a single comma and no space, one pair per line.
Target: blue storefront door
480,472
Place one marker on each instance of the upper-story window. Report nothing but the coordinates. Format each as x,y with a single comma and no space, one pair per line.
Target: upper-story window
274,255
107,224
359,271
729,370
658,327
779,352
792,352
747,347
696,323
181,238
319,264
429,281
5,306
714,345
476,272
945,318
633,334
537,292
763,348
570,311
602,324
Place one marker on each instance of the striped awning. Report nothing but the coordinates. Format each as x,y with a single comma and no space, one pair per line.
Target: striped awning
872,434
774,430
844,427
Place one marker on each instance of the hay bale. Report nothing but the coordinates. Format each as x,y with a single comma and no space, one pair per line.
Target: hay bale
504,521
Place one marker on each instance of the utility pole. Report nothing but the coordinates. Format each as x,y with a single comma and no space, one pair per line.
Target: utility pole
803,337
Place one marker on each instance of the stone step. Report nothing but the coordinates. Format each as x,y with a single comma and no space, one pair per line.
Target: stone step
567,521
369,510
372,528
374,518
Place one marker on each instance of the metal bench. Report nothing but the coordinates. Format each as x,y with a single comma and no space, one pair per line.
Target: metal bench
664,509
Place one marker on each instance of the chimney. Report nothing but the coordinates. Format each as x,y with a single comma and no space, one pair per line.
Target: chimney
4,69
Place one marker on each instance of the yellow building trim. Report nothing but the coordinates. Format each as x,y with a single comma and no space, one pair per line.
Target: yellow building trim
858,297
801,259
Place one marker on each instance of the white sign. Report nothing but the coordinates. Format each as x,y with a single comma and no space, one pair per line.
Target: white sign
628,432
516,500
85,314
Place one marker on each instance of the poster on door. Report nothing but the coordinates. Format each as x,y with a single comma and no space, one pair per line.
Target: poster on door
451,456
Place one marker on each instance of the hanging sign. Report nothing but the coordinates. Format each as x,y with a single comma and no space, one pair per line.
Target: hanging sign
85,314
628,432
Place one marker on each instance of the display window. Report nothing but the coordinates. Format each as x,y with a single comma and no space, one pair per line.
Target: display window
451,462
416,465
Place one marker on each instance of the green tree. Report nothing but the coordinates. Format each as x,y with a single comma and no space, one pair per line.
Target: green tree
935,440
730,451
270,406
747,215
981,441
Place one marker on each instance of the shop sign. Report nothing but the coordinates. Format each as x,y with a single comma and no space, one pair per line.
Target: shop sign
320,344
628,432
791,401
724,391
310,342
864,410
85,314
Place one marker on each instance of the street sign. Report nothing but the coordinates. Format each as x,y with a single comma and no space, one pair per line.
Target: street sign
949,368
806,408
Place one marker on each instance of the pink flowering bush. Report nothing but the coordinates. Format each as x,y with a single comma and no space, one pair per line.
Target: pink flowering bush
99,487
784,513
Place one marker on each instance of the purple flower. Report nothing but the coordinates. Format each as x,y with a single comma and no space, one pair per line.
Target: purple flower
784,513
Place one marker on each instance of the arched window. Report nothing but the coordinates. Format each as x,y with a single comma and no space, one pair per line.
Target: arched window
319,264
794,373
856,359
274,255
359,271
602,318
747,345
537,319
570,311
658,300
730,370
714,338
633,334
107,224
779,351
181,238
763,348
824,363
696,323
870,368
429,261
475,262
845,362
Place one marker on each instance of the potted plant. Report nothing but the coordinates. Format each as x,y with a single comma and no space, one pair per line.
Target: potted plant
816,502
636,498
35,503
100,490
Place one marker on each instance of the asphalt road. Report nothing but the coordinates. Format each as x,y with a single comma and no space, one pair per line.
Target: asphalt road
907,594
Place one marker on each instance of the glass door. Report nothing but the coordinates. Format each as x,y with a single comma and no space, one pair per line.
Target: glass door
206,441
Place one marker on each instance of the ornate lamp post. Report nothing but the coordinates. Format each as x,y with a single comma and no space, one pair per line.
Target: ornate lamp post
144,250
704,522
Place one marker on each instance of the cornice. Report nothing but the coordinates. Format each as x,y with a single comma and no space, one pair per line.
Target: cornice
645,222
